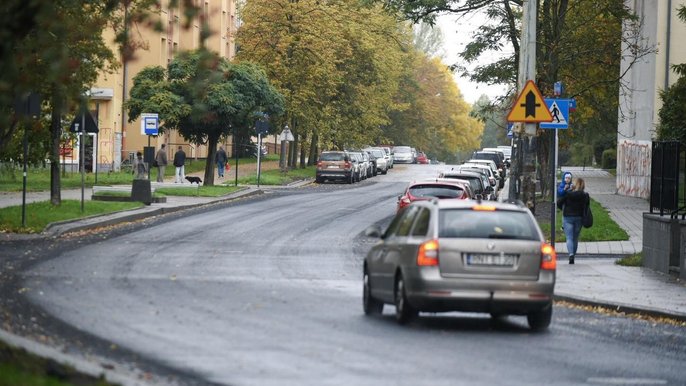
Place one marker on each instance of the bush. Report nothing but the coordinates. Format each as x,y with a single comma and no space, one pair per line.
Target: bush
609,160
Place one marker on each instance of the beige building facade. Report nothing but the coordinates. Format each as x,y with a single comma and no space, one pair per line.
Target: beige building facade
119,140
640,102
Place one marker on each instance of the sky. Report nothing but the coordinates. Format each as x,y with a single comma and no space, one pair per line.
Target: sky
454,42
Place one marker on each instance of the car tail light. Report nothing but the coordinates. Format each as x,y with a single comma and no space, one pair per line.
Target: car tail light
348,165
548,257
484,208
320,164
428,253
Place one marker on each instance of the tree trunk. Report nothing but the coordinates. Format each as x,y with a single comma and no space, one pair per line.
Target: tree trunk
55,136
209,165
303,151
314,153
293,153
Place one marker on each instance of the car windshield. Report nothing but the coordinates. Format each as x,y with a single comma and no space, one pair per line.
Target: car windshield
332,157
378,153
402,149
497,224
438,191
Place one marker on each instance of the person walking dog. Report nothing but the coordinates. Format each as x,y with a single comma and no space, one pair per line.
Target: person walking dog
220,158
573,204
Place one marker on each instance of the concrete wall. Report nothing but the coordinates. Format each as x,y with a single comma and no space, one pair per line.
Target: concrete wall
661,242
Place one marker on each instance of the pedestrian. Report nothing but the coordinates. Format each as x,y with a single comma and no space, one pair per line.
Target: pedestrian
573,204
179,162
161,160
220,158
140,168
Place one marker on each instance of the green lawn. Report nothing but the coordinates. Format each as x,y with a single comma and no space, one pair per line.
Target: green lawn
202,191
603,229
40,214
276,177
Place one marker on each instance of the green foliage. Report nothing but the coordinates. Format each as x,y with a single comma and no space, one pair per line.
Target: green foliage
672,114
609,159
205,97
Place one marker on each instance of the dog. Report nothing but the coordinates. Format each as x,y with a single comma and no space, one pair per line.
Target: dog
194,180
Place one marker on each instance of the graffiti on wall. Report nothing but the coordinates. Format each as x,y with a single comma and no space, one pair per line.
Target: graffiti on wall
633,168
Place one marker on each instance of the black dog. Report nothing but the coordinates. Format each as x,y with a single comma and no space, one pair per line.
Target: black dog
194,180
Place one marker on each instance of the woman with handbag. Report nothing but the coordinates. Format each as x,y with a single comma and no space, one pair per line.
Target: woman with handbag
573,205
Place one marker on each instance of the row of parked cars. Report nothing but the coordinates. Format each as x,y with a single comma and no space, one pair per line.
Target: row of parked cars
479,178
449,249
352,166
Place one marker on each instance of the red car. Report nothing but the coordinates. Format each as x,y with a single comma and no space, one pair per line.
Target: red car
434,188
422,159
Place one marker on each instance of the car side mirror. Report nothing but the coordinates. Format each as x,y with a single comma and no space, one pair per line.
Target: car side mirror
373,231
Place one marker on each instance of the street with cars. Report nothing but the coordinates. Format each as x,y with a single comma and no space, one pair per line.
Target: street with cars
270,290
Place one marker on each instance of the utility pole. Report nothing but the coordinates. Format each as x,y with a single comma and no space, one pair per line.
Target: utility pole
523,183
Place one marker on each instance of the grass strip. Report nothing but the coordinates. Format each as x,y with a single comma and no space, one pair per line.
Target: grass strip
202,191
277,177
604,228
635,260
40,214
20,368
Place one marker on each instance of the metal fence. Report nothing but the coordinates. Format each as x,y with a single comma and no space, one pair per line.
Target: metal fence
666,167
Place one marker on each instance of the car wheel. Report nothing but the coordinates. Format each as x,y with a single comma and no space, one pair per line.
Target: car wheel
385,171
404,312
370,305
540,320
319,180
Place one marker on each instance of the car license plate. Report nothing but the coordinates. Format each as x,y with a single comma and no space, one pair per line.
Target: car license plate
333,166
485,259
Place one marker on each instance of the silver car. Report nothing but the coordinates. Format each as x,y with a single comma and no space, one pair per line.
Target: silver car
448,255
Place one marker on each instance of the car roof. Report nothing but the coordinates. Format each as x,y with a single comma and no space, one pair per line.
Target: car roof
462,172
468,204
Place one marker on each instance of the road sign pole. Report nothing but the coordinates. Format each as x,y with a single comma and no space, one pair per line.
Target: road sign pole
83,157
259,157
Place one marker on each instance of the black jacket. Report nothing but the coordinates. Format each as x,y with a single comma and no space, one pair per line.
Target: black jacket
573,203
179,158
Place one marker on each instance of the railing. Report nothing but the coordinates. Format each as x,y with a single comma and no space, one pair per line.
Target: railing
666,166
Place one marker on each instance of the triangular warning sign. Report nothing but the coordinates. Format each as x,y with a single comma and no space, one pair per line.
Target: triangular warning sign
558,116
529,106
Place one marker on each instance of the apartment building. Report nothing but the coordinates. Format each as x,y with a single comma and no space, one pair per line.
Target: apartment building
640,103
119,140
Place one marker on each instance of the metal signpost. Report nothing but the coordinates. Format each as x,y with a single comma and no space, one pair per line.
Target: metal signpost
82,124
559,110
285,136
262,128
150,124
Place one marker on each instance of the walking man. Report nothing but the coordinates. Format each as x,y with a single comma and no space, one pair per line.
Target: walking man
179,162
161,159
220,158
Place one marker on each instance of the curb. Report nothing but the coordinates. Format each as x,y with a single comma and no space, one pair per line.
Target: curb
623,308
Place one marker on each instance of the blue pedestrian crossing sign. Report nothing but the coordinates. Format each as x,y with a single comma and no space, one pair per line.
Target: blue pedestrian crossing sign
559,109
509,130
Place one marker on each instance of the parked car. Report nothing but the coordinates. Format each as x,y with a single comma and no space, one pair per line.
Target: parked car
427,190
335,165
484,173
380,159
403,154
497,157
480,186
422,159
454,255
360,165
389,156
493,178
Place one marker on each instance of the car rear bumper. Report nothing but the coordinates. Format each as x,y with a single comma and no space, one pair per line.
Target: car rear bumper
428,291
333,174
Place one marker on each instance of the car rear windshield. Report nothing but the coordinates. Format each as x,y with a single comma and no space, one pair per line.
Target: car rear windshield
332,157
488,156
438,191
498,224
474,182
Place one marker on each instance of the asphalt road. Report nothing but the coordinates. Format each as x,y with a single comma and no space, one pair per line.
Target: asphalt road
268,291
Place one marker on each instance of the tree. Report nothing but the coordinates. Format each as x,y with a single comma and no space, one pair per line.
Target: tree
204,96
335,63
672,114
